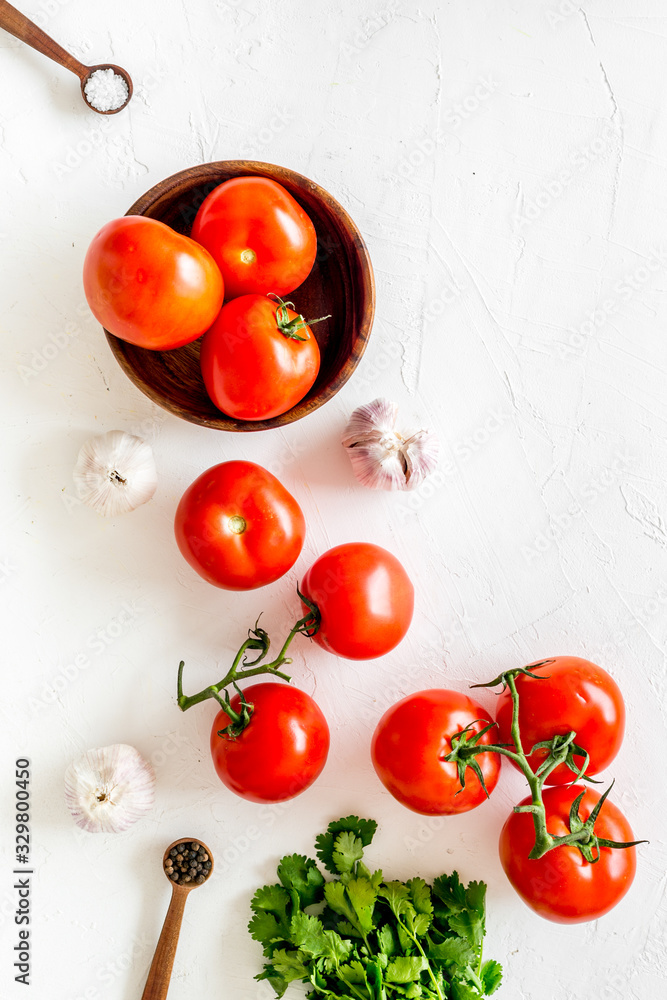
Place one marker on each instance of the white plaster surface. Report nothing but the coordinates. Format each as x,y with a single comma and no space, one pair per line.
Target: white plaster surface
506,163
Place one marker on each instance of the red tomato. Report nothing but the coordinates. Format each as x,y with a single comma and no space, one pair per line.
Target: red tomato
282,750
409,744
149,285
238,527
579,696
258,235
365,599
252,369
561,885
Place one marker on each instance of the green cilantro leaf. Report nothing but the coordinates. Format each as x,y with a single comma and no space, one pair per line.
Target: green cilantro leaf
265,928
420,894
348,849
452,949
289,964
352,973
271,921
364,829
492,976
405,970
271,976
463,991
301,874
362,896
397,895
311,937
449,890
386,940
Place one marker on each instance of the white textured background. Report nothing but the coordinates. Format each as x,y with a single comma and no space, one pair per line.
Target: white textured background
505,162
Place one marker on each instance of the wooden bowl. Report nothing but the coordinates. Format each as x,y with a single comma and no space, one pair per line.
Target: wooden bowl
341,283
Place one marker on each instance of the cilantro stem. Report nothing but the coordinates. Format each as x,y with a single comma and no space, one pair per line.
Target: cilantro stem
415,940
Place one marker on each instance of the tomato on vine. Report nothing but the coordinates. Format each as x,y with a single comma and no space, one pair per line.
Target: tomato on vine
281,751
562,885
411,741
566,693
364,597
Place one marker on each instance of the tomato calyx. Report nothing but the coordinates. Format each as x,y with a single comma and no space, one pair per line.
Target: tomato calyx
583,833
466,739
560,749
287,326
243,667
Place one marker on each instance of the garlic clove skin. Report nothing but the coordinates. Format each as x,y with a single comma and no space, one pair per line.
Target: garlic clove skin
115,473
109,789
382,458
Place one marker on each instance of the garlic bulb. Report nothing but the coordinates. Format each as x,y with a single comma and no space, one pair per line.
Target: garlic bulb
383,459
115,472
109,789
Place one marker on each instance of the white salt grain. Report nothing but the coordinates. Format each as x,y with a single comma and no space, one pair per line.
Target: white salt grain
106,90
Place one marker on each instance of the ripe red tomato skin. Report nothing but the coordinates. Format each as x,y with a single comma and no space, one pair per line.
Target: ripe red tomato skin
149,285
282,750
251,370
256,214
575,695
407,745
561,886
264,551
365,599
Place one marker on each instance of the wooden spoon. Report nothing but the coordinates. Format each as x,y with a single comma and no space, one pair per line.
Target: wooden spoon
17,24
159,973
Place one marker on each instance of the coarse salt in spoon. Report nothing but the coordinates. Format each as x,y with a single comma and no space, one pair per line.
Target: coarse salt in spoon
184,875
106,88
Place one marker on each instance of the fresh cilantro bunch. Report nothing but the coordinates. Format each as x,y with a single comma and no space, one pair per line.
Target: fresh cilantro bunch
360,938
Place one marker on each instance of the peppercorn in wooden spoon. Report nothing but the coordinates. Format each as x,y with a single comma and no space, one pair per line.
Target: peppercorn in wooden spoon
187,864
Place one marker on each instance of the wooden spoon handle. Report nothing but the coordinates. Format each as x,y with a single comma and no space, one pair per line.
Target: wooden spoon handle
17,24
159,973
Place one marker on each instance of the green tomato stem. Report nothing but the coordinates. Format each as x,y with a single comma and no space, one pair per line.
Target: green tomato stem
243,668
561,750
